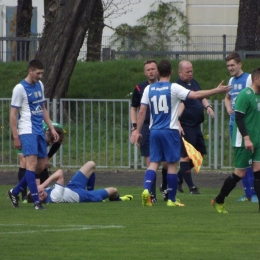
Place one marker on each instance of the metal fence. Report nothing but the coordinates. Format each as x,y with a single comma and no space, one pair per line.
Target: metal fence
99,130
178,47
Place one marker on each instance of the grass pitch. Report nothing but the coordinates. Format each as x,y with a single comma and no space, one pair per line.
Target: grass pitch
127,230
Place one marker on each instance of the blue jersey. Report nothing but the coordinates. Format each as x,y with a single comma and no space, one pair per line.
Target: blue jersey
237,84
164,98
29,99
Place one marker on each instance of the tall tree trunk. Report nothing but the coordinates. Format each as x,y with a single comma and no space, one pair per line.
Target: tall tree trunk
63,35
248,26
23,28
95,31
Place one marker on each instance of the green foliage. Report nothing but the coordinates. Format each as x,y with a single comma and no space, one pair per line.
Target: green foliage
155,31
129,231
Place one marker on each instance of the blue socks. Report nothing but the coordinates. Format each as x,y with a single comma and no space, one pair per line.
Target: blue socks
149,179
91,182
172,180
31,182
248,183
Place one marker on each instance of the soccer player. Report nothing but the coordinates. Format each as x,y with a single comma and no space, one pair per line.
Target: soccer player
28,102
163,99
151,73
239,81
75,190
245,140
44,175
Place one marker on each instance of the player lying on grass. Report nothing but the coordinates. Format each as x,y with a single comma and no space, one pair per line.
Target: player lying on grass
79,189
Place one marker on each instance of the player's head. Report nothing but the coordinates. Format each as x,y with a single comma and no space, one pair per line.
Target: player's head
256,77
234,64
35,70
50,138
150,71
185,71
164,68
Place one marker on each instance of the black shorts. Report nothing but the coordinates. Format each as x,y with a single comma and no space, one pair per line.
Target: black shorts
43,176
194,136
145,144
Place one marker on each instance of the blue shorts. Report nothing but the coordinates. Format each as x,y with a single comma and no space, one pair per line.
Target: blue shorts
165,145
78,184
145,144
194,136
33,144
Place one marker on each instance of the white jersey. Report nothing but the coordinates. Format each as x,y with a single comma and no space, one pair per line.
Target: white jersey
59,194
29,100
164,99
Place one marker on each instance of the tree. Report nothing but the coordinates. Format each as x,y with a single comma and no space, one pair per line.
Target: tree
248,30
23,28
66,23
94,38
155,30
104,9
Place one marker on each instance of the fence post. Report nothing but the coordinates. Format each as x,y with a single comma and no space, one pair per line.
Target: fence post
129,47
224,45
54,118
216,133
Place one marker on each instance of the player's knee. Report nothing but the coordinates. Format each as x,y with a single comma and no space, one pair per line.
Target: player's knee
91,164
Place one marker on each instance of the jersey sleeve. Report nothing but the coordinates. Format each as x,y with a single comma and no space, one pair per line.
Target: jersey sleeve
249,81
230,84
181,92
17,96
145,97
136,97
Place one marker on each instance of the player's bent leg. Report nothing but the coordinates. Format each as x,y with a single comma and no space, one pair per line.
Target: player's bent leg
88,168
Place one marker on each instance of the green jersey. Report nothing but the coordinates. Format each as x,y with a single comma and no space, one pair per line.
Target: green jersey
248,103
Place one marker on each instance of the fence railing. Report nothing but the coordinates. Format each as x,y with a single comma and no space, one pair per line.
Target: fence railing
179,47
99,130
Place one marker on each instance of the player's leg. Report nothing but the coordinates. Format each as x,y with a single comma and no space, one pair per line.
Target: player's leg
113,195
88,169
256,170
241,162
21,173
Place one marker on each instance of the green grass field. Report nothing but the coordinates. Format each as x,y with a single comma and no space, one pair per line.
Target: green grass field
127,230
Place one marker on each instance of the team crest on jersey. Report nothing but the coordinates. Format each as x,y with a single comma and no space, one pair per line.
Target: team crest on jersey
35,94
38,110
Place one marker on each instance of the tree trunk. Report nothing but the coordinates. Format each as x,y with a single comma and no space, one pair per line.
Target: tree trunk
23,28
95,31
63,35
248,26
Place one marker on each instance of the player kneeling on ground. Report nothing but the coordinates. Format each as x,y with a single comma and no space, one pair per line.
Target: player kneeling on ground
79,189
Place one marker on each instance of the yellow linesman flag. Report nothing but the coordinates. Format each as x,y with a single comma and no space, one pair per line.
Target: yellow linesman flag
194,155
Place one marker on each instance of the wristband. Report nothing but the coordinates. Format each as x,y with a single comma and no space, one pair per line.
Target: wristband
208,106
133,126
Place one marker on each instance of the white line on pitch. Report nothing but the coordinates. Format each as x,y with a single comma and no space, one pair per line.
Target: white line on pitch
58,230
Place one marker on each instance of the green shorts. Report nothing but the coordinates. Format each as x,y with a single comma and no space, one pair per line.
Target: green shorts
244,158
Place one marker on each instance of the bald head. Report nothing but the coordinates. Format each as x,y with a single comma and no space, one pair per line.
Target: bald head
185,71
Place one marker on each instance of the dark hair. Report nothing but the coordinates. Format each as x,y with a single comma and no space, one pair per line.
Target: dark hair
149,61
164,68
60,132
255,74
233,56
35,64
